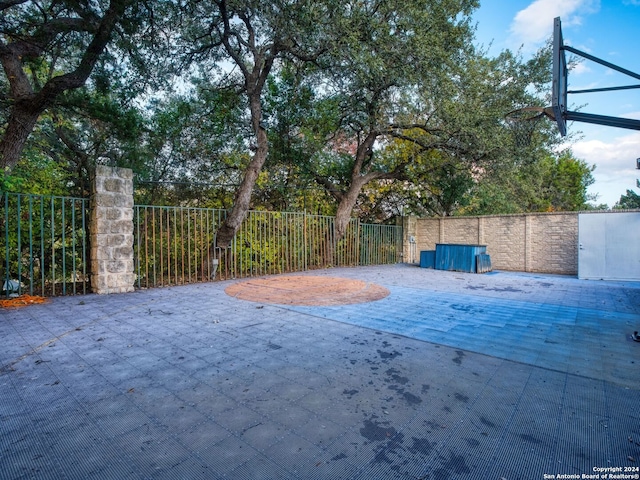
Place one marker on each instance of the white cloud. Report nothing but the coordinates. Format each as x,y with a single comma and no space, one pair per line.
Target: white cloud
533,25
615,162
580,69
615,157
584,86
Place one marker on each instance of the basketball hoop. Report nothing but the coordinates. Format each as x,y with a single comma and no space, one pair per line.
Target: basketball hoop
523,121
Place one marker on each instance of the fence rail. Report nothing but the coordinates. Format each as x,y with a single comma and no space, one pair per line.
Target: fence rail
43,245
174,245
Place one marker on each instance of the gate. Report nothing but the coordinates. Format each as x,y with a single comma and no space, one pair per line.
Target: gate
608,247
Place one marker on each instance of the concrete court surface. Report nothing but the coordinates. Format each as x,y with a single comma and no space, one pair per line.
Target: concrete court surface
452,376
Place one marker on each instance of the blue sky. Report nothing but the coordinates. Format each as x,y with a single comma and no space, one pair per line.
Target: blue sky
607,29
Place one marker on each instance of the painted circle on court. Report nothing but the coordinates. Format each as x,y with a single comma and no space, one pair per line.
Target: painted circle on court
307,290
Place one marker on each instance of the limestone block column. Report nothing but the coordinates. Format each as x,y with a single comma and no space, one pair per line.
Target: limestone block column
409,239
111,230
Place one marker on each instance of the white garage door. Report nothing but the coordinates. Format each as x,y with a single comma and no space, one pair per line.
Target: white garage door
609,246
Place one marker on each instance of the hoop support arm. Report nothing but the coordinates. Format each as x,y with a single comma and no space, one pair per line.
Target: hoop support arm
605,89
600,61
628,123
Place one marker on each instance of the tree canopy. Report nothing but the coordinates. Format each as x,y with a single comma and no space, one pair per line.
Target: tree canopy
360,107
629,200
52,47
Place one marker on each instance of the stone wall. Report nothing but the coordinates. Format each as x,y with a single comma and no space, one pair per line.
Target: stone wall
111,230
537,242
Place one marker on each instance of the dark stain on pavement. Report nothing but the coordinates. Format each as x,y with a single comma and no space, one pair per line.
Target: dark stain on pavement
388,355
456,464
411,398
461,398
486,422
472,442
392,446
349,393
462,308
433,425
459,357
394,374
376,431
531,439
420,445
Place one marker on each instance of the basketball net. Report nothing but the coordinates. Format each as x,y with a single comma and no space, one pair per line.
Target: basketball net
523,122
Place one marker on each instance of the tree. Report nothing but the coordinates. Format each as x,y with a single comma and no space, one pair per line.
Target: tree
195,149
292,115
390,67
253,37
567,180
442,189
556,182
628,201
83,128
49,48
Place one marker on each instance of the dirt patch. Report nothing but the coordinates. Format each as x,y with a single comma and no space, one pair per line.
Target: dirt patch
309,291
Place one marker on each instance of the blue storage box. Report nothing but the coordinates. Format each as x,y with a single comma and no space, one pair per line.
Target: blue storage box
428,259
483,263
458,257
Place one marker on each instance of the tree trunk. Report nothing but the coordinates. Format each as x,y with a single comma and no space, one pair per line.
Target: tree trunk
358,180
21,123
349,199
345,207
242,200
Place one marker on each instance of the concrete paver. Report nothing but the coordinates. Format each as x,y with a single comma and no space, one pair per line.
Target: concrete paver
452,376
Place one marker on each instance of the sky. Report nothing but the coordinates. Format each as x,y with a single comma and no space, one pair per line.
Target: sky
607,29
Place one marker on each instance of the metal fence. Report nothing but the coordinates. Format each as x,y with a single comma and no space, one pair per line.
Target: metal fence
43,245
173,245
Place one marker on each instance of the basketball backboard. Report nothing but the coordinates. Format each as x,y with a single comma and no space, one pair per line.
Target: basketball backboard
559,86
559,90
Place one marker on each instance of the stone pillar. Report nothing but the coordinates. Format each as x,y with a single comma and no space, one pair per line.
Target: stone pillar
111,230
409,239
